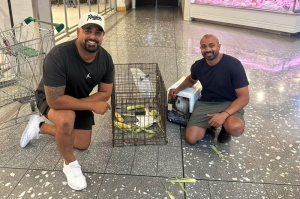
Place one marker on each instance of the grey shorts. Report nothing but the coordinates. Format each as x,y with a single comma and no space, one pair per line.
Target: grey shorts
84,120
201,109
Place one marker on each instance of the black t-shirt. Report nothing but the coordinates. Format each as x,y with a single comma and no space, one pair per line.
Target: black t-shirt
63,66
220,81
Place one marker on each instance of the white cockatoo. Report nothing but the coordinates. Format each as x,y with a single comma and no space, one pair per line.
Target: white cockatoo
142,82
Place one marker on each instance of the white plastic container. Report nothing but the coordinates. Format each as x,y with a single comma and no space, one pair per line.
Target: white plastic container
181,108
191,93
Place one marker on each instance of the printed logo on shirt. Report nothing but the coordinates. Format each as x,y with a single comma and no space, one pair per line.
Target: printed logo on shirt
88,76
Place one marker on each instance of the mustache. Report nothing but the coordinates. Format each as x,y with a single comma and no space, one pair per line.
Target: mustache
212,52
209,52
92,40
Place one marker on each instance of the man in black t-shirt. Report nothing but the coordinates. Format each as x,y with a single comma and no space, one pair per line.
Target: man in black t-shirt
224,93
70,72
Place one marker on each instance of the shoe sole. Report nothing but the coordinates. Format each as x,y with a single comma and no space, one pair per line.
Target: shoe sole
73,187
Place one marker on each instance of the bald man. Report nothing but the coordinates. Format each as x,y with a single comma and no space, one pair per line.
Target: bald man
224,93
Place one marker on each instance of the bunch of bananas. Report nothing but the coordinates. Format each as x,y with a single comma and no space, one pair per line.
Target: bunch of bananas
133,128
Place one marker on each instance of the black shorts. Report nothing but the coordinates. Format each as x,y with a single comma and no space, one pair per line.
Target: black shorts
84,120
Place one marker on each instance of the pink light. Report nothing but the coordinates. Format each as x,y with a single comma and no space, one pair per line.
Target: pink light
294,62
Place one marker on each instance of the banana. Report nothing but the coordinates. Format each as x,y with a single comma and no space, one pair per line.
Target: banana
137,129
153,113
121,125
119,117
135,107
150,136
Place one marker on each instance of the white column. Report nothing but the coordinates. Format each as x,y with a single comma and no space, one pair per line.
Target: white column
42,11
186,10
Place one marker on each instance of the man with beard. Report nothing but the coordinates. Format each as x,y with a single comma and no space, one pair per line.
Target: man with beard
70,72
224,93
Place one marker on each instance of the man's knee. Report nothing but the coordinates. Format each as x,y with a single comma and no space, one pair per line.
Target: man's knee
82,146
190,139
194,134
64,121
82,139
236,129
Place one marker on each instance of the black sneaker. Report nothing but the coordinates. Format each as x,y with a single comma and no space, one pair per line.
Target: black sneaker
224,136
208,131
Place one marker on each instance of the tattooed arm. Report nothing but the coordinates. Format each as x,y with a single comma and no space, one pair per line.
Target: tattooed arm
57,100
53,93
103,94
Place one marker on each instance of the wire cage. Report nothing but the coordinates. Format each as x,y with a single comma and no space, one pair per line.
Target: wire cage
22,52
138,104
181,107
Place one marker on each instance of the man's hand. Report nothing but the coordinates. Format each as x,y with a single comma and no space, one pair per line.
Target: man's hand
173,92
187,82
100,107
217,119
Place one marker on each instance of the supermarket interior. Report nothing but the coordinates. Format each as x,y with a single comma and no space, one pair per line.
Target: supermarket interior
163,36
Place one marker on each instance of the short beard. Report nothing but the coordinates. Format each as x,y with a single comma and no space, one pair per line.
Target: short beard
86,47
214,53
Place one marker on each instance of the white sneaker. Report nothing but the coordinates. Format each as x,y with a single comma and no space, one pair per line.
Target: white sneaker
76,180
32,130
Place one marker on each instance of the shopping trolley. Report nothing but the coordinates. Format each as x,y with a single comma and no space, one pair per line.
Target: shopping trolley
22,52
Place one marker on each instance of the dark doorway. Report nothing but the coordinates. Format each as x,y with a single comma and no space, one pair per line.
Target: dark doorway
145,2
159,2
167,2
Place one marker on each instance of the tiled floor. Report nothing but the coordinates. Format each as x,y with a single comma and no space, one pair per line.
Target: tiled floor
263,163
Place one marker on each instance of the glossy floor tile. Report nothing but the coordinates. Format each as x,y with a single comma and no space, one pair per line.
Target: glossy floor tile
264,163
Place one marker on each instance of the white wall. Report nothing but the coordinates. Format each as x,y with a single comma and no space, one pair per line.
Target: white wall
122,3
20,9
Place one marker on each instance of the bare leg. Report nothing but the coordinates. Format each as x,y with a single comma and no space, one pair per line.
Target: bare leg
48,129
66,136
82,137
74,3
234,126
194,134
63,121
